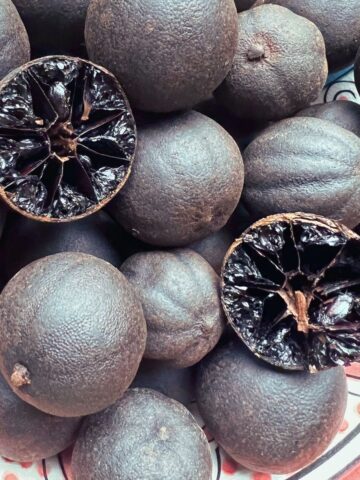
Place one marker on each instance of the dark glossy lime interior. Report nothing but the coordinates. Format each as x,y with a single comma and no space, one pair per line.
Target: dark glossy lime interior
67,137
292,292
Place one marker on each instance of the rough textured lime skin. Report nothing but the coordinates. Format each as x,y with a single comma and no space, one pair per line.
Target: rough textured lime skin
144,436
27,434
54,26
339,22
167,55
303,164
180,296
75,323
267,419
14,40
25,241
345,114
186,181
279,67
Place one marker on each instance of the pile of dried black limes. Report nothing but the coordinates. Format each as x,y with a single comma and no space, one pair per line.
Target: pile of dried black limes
139,142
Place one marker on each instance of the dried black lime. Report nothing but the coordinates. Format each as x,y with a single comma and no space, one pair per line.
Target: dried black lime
291,291
277,51
267,419
180,296
331,18
73,334
144,435
302,164
185,183
168,55
27,434
14,40
67,138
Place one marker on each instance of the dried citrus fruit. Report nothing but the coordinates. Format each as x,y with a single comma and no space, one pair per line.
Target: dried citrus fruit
73,336
267,419
291,291
67,138
146,436
168,55
186,181
279,66
331,17
303,164
14,40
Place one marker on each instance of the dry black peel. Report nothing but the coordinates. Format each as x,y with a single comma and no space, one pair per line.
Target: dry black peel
291,290
67,138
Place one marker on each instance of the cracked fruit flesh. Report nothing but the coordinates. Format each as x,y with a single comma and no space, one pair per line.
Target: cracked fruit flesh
67,138
291,291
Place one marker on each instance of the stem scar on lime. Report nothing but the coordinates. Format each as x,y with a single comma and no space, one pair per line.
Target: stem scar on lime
20,376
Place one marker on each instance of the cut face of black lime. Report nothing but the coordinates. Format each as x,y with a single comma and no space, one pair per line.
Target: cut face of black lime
291,290
67,138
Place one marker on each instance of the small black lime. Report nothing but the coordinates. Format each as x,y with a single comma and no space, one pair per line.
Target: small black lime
73,334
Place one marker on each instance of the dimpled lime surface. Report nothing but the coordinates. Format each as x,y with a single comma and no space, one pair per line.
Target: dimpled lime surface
167,54
74,322
186,181
268,419
144,436
14,40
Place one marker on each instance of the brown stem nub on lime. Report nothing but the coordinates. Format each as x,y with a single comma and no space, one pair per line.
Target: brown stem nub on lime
20,376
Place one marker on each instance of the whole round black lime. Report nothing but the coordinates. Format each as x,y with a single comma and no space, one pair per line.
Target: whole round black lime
168,55
24,241
14,40
267,419
279,67
73,334
180,296
67,138
303,164
346,114
54,26
27,434
176,383
331,18
290,289
186,181
143,436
